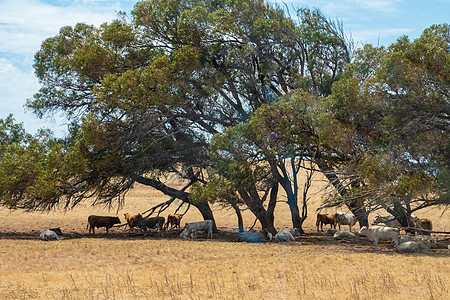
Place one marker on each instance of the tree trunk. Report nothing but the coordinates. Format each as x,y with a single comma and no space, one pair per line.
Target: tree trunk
204,208
291,191
239,217
255,204
361,214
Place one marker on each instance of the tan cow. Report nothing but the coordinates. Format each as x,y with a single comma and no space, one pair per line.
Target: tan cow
174,220
131,219
324,219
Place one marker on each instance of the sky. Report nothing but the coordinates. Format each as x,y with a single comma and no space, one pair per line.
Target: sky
25,24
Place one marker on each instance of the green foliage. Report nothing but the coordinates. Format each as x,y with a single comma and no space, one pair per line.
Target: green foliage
216,190
238,86
389,115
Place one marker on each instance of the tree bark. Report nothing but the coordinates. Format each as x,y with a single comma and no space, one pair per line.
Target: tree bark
255,204
360,212
239,217
291,191
204,208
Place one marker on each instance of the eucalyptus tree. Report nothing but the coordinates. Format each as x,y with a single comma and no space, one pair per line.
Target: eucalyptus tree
146,92
389,117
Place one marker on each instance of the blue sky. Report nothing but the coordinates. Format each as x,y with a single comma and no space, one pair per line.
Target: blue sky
24,24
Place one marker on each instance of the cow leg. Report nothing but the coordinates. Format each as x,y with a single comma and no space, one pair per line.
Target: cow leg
350,227
375,242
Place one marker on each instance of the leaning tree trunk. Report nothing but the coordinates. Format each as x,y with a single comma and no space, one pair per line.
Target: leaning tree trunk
239,217
255,204
359,211
204,208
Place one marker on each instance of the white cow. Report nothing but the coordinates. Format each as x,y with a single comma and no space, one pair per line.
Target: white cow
424,239
190,229
343,235
380,233
285,236
344,219
49,235
413,247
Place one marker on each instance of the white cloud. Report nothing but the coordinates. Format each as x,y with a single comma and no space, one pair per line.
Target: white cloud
24,24
385,6
378,35
15,85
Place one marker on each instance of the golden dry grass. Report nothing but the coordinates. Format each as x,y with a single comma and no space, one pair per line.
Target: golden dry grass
82,267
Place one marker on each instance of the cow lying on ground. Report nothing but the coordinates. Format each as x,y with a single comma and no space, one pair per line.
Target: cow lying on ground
324,219
190,229
51,234
131,218
174,220
341,218
425,239
286,235
343,235
332,231
255,237
413,247
380,233
151,223
101,221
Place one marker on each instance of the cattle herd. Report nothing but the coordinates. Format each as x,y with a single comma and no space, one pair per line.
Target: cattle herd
384,228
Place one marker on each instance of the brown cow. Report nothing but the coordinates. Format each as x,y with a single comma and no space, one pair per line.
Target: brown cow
131,218
324,219
174,220
101,221
154,222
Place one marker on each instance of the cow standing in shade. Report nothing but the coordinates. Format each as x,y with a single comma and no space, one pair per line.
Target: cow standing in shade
324,219
190,229
131,218
101,221
151,223
380,233
341,218
174,220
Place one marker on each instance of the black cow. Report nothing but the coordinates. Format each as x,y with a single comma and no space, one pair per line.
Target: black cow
101,221
57,230
154,222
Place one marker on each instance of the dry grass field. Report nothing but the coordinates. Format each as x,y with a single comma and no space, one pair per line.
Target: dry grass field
128,266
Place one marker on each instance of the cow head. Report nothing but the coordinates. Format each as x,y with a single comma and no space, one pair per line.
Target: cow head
57,230
362,231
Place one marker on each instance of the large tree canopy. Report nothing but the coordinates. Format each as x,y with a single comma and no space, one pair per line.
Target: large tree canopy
235,93
389,116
